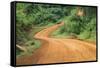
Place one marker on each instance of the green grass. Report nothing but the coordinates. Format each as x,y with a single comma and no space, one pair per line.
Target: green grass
70,29
32,44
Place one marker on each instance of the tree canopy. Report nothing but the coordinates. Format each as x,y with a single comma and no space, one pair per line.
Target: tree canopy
79,20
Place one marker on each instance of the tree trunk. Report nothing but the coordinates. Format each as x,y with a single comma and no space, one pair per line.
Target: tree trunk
21,48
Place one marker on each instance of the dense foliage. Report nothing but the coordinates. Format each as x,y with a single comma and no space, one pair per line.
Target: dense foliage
79,21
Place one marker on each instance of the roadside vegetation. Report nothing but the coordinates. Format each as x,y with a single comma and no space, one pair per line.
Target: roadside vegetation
79,23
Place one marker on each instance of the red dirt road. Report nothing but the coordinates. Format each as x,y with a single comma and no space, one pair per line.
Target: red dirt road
59,50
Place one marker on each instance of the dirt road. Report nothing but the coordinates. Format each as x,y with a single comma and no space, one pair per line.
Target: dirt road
57,50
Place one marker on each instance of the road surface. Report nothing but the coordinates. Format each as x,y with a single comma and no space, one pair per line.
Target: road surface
54,50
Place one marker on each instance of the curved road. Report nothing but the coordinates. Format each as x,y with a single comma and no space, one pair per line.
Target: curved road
54,50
